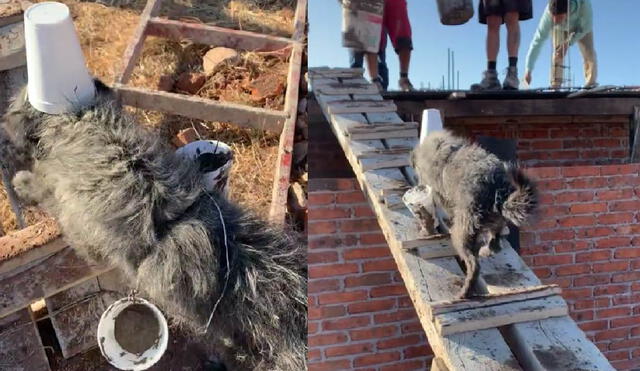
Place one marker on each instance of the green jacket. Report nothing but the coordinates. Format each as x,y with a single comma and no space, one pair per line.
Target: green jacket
580,24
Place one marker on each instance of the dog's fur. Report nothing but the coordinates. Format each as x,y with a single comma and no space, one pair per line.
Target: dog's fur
479,192
121,195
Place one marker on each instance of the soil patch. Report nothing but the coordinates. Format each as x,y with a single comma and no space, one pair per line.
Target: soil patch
137,328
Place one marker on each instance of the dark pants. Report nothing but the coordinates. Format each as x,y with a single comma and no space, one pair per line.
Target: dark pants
356,60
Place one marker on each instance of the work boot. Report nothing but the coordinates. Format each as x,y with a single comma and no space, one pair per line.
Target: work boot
489,82
511,81
405,84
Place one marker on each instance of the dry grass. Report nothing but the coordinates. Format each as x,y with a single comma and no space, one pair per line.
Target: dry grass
228,83
105,29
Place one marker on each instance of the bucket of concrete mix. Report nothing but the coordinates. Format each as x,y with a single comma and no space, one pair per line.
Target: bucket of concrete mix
58,78
214,159
132,334
455,12
362,24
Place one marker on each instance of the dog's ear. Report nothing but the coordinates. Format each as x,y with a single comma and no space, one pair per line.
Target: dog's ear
14,120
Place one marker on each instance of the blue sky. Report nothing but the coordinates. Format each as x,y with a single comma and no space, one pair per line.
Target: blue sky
616,31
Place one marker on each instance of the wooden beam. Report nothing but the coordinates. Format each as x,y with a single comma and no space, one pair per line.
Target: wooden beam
360,106
20,343
300,21
215,36
635,125
132,53
279,196
22,248
203,109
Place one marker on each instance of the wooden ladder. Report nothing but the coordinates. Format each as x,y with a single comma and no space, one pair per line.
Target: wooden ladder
521,324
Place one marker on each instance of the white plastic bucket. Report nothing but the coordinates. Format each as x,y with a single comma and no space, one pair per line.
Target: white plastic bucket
58,78
114,352
217,179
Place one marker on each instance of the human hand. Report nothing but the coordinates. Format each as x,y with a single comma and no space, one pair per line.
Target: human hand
527,77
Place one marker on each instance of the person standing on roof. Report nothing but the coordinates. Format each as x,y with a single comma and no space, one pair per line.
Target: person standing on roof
395,23
576,19
493,13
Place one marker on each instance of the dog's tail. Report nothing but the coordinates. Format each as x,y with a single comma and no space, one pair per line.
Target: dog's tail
522,202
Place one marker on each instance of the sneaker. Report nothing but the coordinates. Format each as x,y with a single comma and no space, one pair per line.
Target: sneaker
591,86
405,84
511,81
489,81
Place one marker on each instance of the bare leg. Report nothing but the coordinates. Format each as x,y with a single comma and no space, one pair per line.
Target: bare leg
493,37
405,58
512,22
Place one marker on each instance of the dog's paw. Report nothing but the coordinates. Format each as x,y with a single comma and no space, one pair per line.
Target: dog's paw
485,251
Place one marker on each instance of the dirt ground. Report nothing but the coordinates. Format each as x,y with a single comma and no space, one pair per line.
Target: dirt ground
255,152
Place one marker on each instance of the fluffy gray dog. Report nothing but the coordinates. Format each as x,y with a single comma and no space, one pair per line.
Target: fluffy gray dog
479,193
120,194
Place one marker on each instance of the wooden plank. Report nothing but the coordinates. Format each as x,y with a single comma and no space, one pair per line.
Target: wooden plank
349,88
20,344
12,47
20,242
372,153
382,127
279,195
493,300
203,109
500,315
75,314
384,161
132,53
360,106
300,21
535,341
56,273
213,35
384,182
326,72
387,134
635,146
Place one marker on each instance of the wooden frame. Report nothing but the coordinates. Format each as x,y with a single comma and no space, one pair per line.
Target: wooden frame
282,122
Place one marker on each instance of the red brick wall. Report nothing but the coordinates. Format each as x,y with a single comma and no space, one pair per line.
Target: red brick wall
556,141
360,316
588,241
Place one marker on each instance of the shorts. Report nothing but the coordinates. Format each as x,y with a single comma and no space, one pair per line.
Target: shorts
501,7
395,21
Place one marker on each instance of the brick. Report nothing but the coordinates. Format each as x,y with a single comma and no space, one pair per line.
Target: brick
626,277
312,327
321,198
551,184
397,316
593,256
546,144
625,322
577,293
612,334
374,333
324,213
542,272
359,225
546,260
573,269
610,290
574,196
544,173
580,171
534,134
371,306
367,253
313,355
344,350
577,221
418,351
591,280
327,339
625,205
412,327
332,184
591,208
616,194
586,315
610,267
322,227
372,279
322,257
342,297
400,342
608,243
382,291
380,265
327,312
329,270
587,183
594,325
331,242
350,197
620,169
346,323
560,235
342,364
372,239
316,286
406,366
633,252
363,211
378,358
613,312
